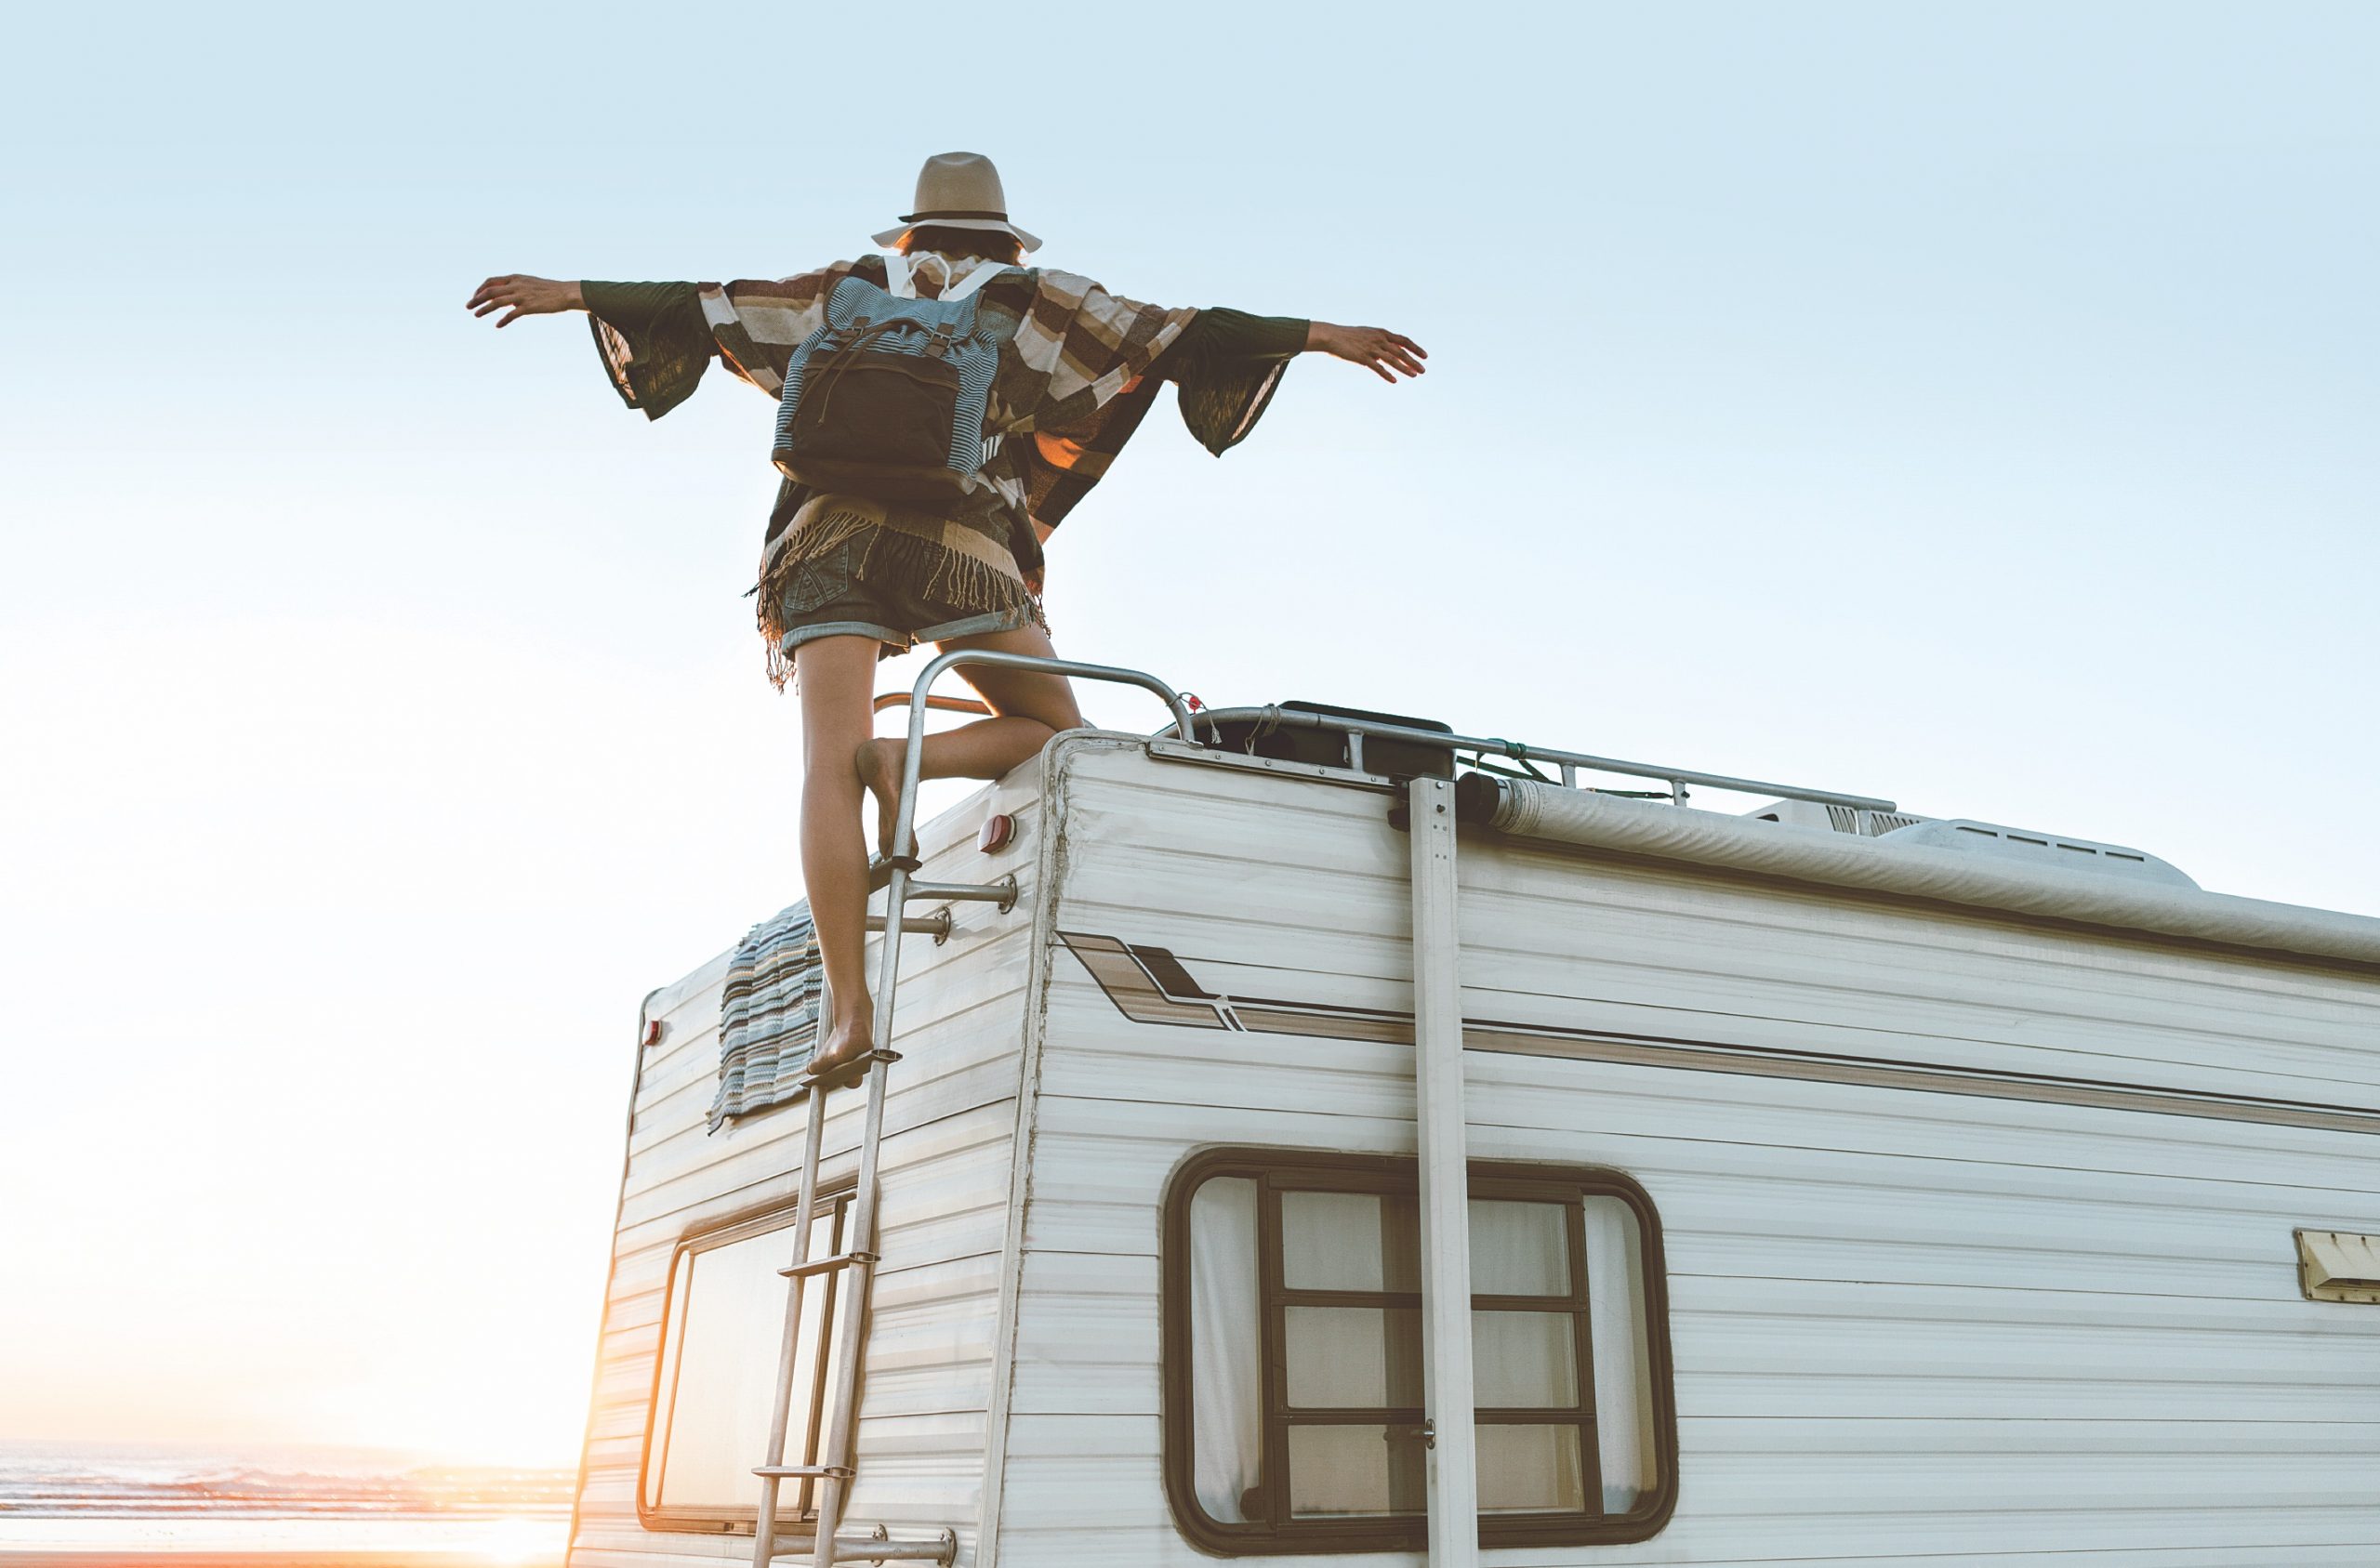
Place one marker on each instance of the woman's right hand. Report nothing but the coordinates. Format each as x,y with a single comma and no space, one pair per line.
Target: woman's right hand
1386,354
518,294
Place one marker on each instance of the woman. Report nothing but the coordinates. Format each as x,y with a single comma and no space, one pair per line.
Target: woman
846,580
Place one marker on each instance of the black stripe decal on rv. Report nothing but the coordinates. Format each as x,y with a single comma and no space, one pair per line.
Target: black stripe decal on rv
1150,985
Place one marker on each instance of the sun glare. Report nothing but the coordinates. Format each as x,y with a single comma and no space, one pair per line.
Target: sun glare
517,1543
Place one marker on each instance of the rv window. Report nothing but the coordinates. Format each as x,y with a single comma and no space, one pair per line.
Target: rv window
713,1386
1293,1355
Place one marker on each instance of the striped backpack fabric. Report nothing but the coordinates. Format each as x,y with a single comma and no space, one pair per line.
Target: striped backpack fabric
886,400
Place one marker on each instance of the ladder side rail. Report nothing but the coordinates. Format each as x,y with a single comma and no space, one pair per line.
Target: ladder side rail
764,1525
921,698
1293,719
1451,1463
842,1414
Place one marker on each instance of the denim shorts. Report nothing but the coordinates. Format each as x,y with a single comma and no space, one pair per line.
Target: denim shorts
827,598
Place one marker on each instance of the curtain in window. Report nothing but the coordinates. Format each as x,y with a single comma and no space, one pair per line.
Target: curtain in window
1226,1362
1520,1248
1350,1241
1352,1357
1623,1358
768,1015
1349,1356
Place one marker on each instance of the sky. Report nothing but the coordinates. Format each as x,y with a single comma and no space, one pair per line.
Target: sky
1971,404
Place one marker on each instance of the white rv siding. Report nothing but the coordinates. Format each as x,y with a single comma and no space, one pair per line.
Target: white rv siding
1909,1327
950,1119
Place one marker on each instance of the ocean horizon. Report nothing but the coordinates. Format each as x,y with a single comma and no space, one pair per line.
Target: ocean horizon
89,1504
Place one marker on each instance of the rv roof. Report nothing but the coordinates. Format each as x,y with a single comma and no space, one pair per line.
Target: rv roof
1538,791
1313,732
1872,845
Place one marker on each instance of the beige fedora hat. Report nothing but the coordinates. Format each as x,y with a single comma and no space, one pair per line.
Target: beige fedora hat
959,190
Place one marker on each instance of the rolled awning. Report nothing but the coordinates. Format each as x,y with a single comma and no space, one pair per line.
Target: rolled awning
1556,814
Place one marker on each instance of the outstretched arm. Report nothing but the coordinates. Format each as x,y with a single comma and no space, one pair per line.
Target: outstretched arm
652,338
518,294
1220,338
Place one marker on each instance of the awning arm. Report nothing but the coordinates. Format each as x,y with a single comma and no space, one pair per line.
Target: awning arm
1452,1463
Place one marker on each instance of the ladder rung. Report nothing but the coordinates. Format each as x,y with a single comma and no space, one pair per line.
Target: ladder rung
857,1069
796,1473
827,1265
936,924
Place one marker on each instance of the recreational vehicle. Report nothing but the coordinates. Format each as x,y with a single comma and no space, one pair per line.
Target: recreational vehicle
1318,1136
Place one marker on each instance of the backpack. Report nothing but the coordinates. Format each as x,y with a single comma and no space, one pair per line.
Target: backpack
886,400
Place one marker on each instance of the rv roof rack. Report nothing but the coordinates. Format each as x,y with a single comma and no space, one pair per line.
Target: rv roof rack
1271,716
1274,717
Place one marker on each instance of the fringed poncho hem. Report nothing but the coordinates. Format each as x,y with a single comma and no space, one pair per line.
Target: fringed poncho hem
933,557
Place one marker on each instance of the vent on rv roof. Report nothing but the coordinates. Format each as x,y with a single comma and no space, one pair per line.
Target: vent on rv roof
1832,819
2041,848
1297,741
2336,1266
2044,849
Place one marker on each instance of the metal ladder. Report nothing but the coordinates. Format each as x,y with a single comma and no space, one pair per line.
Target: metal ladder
834,1469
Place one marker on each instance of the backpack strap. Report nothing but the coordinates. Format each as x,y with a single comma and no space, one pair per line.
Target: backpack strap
897,282
977,279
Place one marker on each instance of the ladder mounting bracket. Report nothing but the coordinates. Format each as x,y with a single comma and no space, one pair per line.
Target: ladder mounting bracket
936,924
878,1545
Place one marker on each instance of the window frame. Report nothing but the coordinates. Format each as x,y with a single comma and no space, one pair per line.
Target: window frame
1279,1170
832,1208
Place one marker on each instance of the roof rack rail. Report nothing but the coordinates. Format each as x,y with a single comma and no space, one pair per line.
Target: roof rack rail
1189,718
1570,763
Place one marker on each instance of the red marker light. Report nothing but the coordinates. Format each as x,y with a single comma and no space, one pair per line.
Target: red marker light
998,828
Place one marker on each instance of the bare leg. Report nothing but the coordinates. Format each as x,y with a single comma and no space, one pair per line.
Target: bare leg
837,676
1031,706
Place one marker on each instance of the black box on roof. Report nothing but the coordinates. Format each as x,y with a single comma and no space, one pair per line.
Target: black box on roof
1397,760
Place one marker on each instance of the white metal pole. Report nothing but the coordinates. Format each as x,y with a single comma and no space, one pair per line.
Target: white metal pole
1453,1466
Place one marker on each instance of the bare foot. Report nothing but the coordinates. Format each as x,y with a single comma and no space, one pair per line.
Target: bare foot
841,1050
880,769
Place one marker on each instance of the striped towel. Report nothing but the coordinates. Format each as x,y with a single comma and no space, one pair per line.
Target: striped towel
769,1015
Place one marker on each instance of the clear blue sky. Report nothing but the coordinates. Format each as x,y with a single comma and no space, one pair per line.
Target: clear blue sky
1969,403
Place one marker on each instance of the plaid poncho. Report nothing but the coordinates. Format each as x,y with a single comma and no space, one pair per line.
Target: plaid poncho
1072,386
